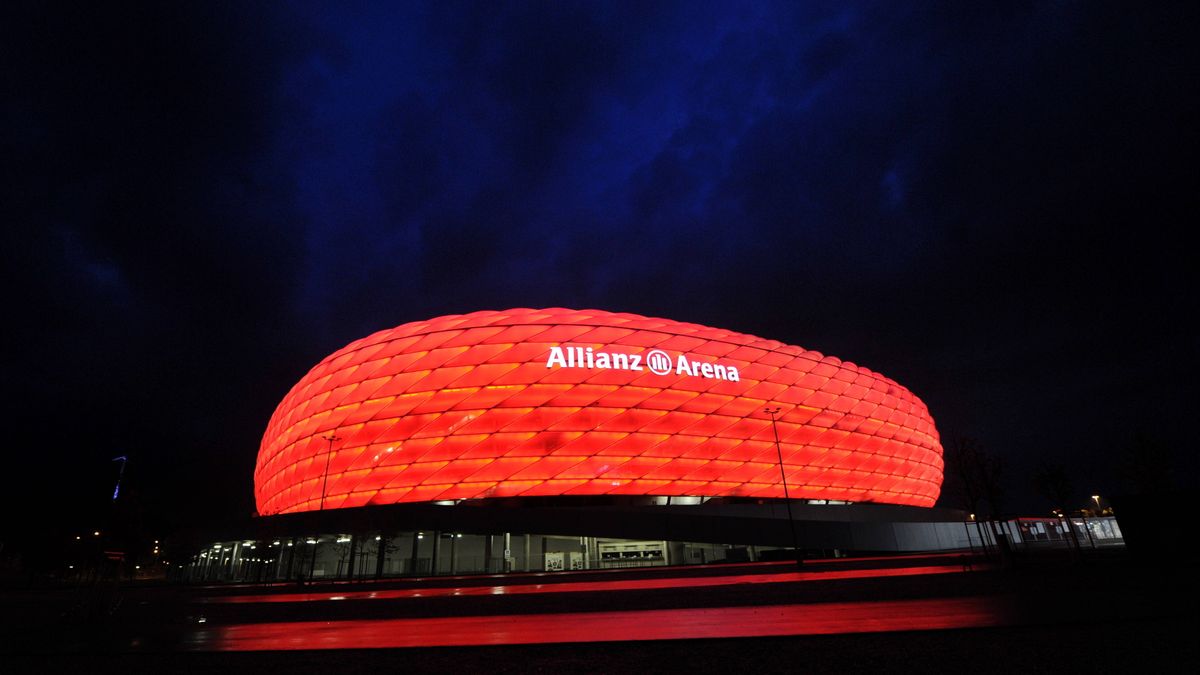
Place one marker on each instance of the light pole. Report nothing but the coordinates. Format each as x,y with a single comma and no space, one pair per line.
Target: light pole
312,564
787,500
329,455
1096,498
120,474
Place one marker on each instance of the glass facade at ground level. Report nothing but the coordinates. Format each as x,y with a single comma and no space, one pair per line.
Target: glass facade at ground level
427,553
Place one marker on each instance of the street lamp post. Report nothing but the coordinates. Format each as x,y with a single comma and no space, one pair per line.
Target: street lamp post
121,474
312,564
787,500
329,455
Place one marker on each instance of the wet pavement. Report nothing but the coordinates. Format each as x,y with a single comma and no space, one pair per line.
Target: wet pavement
941,599
635,625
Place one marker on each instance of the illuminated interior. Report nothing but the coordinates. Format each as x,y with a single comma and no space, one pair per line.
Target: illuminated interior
468,407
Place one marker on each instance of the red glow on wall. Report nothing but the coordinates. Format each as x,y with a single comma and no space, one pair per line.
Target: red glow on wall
481,405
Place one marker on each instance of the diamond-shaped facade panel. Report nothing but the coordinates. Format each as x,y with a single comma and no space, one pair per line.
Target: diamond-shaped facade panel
544,402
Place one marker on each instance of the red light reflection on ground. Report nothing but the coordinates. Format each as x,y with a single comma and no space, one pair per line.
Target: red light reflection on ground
663,624
959,555
582,586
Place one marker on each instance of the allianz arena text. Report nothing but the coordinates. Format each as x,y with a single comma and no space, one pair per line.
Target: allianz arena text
561,402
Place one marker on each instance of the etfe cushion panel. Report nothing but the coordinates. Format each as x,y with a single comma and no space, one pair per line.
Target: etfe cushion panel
528,402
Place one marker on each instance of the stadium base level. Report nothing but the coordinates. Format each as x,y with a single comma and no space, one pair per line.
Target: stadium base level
564,534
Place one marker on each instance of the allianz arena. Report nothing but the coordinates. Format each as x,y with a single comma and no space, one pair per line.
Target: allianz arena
553,439
558,402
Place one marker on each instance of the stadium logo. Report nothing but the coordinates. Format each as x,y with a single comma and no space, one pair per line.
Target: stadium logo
656,361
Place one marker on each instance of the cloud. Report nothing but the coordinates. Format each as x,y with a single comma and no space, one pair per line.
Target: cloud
212,198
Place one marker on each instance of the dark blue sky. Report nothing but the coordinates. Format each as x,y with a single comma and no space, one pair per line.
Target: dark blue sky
987,203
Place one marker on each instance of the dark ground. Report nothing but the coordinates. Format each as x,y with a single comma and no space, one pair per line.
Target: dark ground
1111,613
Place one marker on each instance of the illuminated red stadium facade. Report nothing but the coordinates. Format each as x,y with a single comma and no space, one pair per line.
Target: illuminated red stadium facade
559,402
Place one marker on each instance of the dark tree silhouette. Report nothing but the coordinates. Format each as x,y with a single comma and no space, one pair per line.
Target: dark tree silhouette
978,476
1146,463
1052,482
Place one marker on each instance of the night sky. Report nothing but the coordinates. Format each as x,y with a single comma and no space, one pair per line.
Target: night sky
987,202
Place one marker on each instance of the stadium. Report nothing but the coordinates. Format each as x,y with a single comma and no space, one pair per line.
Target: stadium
557,439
